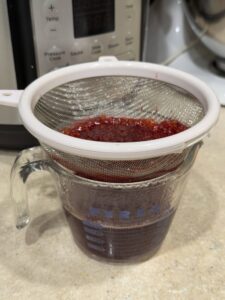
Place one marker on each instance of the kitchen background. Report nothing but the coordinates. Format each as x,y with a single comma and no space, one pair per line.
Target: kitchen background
37,37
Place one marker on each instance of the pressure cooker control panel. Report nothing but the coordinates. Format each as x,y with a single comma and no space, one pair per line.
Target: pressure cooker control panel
75,31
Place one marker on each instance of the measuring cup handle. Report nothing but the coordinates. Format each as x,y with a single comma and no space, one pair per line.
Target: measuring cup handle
27,162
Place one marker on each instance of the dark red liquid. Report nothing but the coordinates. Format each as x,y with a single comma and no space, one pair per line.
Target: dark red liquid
115,129
137,241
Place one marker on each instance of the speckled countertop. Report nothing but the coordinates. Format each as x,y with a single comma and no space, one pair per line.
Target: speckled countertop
42,261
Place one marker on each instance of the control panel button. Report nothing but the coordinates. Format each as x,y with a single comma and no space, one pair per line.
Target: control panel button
96,48
55,55
129,3
77,53
129,40
51,11
129,10
51,7
113,45
52,18
52,30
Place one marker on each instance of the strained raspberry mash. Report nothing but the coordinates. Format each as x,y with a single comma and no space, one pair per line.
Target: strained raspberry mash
122,129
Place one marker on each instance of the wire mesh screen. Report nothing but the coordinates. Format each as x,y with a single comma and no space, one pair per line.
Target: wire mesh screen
126,96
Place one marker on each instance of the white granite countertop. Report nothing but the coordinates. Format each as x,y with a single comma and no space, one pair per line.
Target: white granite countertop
42,261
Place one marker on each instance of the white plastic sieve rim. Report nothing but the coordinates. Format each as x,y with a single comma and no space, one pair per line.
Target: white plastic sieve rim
118,151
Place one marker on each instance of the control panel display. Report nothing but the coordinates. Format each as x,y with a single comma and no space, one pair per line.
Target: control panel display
93,17
77,31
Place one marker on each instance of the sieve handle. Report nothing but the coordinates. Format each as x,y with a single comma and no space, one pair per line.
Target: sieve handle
27,162
10,97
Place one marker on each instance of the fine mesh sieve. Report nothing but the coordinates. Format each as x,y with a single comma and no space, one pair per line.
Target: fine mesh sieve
117,96
118,89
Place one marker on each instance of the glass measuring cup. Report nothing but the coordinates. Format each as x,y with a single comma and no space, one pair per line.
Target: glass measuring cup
117,222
